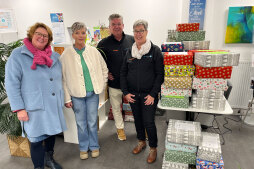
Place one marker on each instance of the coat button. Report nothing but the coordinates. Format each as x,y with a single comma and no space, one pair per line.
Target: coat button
53,94
51,79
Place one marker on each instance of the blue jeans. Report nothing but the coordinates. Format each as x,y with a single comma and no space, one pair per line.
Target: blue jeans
86,112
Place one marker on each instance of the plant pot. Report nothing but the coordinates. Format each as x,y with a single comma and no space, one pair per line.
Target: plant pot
19,146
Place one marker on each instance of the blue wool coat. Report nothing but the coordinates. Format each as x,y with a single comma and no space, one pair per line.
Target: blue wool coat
38,91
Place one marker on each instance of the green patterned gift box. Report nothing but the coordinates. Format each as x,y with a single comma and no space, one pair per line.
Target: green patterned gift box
172,165
190,36
175,101
180,157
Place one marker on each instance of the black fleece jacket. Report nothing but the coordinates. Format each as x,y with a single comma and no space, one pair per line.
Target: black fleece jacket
143,75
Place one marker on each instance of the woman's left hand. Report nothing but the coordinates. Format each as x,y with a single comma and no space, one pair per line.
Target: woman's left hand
149,100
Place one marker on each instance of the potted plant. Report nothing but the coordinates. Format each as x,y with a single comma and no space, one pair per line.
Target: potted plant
9,123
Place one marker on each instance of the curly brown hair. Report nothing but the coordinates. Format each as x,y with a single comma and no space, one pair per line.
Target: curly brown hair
32,29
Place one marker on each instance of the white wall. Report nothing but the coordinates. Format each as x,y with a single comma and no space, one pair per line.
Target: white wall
216,22
160,14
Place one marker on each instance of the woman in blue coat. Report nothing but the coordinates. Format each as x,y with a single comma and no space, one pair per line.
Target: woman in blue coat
33,82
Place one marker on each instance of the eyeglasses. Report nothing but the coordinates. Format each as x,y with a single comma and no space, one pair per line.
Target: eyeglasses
41,35
113,24
138,32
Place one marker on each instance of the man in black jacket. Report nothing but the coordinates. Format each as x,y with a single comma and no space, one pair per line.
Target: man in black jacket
114,49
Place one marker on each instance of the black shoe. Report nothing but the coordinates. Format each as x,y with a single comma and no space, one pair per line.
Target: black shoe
50,162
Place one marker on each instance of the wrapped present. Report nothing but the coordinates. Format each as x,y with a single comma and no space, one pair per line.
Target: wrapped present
178,82
187,27
180,157
178,58
204,164
165,91
126,106
175,101
128,116
190,36
171,36
179,70
180,147
210,149
184,132
216,59
194,45
213,94
172,47
213,84
213,72
172,165
208,103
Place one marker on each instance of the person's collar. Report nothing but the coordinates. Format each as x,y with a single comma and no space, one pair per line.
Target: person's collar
113,37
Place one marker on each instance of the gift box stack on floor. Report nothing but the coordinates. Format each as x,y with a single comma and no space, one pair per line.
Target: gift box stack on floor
128,115
181,143
209,152
213,68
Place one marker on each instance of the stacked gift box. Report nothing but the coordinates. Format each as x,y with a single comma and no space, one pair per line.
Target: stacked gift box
178,71
212,69
209,152
128,115
181,143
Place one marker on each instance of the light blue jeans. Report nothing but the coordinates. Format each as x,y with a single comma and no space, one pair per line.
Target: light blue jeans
86,111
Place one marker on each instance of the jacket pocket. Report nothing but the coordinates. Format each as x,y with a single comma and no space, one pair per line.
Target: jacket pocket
33,101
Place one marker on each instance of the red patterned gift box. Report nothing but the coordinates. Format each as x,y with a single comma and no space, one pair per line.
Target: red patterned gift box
213,72
178,58
187,27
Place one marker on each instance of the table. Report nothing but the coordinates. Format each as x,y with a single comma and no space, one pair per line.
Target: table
228,111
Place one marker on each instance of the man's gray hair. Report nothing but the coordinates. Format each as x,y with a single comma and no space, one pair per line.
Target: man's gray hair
77,26
140,22
115,16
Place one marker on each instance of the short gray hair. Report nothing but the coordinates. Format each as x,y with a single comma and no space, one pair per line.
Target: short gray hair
115,16
77,26
141,22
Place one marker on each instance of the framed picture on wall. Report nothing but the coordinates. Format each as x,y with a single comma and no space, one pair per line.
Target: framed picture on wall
240,25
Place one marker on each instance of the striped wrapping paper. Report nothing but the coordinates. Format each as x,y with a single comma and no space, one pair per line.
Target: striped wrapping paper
178,58
210,148
196,45
213,94
184,132
208,103
216,59
179,70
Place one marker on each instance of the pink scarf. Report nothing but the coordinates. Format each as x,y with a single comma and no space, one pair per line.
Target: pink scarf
41,57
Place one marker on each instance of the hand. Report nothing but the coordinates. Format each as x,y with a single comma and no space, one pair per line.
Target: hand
110,76
68,105
22,115
149,100
129,98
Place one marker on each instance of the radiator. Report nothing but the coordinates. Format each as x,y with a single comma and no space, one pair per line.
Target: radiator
240,79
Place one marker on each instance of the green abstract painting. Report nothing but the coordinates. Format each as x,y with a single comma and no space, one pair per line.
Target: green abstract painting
240,24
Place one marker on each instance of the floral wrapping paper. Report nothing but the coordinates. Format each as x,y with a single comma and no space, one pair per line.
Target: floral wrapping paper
175,101
203,164
210,148
172,165
208,103
178,58
213,94
187,27
126,106
172,47
165,91
213,72
179,70
196,45
190,36
216,59
180,147
178,82
184,132
213,84
180,157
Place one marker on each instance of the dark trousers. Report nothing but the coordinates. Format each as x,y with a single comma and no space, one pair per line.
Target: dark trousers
38,150
144,116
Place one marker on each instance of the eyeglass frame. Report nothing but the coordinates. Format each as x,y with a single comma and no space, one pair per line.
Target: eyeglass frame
139,32
41,35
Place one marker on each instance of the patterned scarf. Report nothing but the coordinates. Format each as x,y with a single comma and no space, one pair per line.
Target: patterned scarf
145,48
41,57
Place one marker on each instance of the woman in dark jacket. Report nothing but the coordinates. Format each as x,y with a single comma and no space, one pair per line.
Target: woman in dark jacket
141,78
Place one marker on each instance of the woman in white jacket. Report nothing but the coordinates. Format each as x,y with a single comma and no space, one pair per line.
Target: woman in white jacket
84,78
